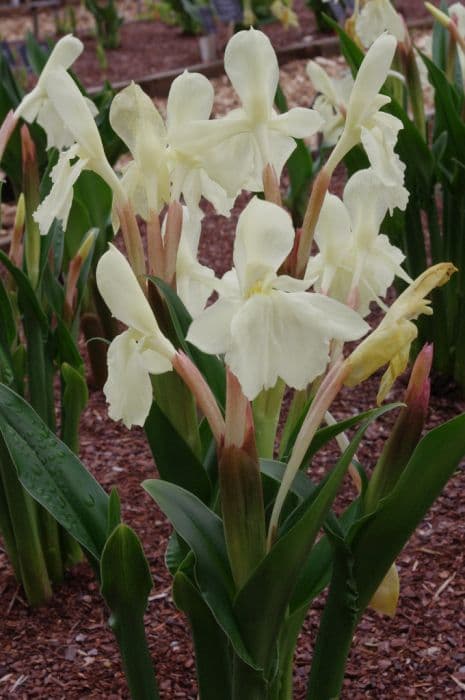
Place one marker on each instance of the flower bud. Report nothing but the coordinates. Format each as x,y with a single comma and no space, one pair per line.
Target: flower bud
406,432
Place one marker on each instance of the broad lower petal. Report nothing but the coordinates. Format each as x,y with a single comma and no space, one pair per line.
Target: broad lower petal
128,389
264,238
211,330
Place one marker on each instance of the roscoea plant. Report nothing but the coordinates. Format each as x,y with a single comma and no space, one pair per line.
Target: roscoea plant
209,387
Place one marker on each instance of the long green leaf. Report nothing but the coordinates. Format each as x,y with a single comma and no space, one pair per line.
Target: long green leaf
210,642
52,474
381,538
126,585
175,460
203,532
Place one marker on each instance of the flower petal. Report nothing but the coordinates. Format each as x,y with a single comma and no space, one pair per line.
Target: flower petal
211,330
299,122
264,238
370,78
128,389
190,98
252,67
122,294
57,204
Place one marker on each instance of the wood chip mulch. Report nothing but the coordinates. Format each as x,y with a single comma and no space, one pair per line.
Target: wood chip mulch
66,650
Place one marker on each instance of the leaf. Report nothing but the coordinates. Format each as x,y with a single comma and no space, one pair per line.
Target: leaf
175,460
380,539
324,435
114,511
27,296
448,104
211,367
349,49
284,562
212,656
126,585
52,474
203,532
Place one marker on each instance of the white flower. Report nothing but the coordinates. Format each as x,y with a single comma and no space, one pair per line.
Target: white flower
254,135
366,123
86,154
352,255
136,353
252,67
196,169
36,105
267,325
194,282
332,101
135,119
376,17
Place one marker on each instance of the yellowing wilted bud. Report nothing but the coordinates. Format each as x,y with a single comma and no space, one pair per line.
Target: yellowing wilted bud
390,342
438,15
385,599
87,244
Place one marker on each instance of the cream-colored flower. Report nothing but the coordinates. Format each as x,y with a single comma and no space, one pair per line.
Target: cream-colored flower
390,342
354,258
136,353
86,154
253,135
37,106
135,119
376,17
366,123
267,325
331,103
197,169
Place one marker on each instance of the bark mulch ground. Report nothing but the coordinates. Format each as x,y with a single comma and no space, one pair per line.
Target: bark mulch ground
149,47
66,650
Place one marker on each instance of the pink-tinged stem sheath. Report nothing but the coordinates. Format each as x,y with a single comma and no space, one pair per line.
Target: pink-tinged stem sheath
132,241
16,245
6,129
240,486
155,250
328,390
171,241
238,412
271,185
31,183
319,190
202,393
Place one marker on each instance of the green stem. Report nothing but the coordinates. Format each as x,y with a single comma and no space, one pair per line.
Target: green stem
248,684
135,654
30,556
335,634
266,411
178,405
297,409
7,532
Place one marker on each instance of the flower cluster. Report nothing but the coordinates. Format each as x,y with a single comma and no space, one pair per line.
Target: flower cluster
269,325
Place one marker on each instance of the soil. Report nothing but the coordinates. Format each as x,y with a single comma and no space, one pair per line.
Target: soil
67,651
149,47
